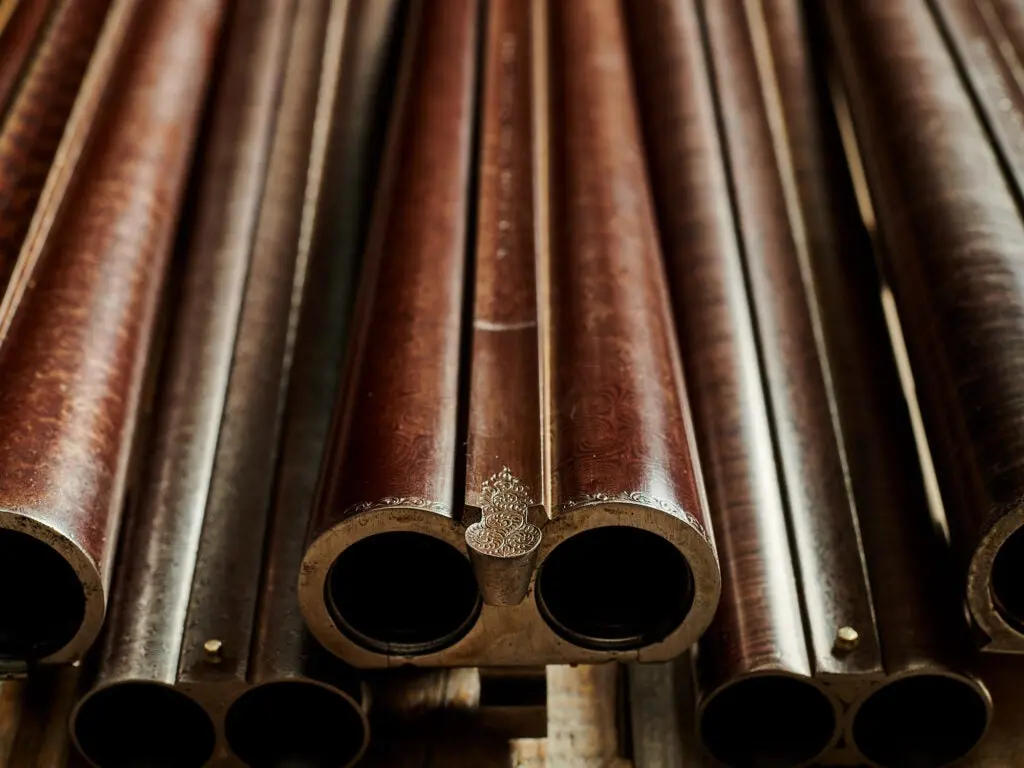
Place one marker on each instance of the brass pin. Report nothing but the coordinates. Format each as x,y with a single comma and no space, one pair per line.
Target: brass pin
847,639
213,649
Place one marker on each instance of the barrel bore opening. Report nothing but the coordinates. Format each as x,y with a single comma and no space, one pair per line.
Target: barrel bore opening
921,721
1008,580
772,720
293,723
42,604
143,724
615,588
403,592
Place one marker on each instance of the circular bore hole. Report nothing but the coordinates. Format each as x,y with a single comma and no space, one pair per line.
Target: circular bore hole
291,724
769,722
1008,580
143,725
42,604
921,721
403,592
615,588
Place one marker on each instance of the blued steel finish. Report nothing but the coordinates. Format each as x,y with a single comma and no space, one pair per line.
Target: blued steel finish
387,488
756,647
986,38
628,564
952,258
36,118
299,207
304,703
21,23
503,455
222,604
78,323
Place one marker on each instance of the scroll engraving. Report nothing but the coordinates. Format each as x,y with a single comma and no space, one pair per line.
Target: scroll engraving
634,497
503,530
405,502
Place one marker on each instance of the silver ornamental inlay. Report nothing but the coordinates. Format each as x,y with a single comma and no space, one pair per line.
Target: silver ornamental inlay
503,530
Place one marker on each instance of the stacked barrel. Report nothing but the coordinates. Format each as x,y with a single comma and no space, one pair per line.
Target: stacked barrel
478,336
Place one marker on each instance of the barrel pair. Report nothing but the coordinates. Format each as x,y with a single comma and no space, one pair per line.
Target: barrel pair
205,654
953,259
511,478
840,637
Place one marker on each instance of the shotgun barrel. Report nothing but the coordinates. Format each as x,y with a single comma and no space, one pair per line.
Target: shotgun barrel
756,651
942,159
21,23
152,624
628,561
303,705
79,323
36,118
386,572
